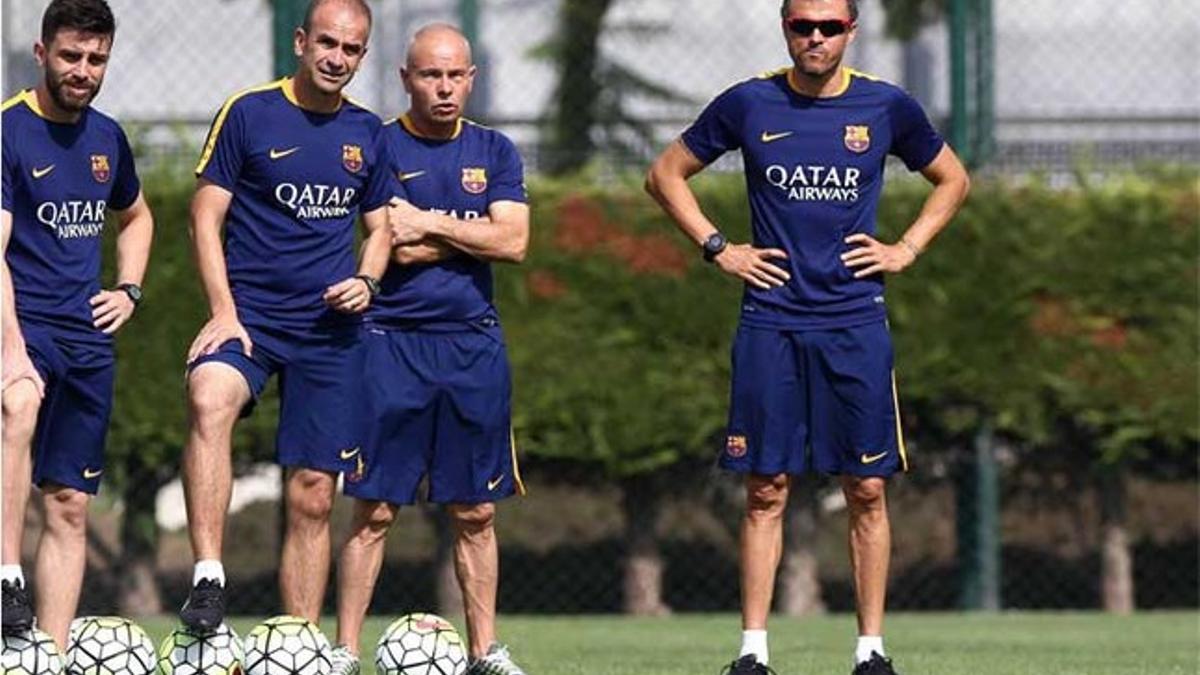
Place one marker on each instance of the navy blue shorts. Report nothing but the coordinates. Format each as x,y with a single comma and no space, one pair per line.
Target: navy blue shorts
821,400
320,391
68,443
439,404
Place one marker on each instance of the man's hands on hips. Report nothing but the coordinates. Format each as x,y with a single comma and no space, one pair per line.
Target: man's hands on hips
220,329
350,296
873,256
110,310
753,265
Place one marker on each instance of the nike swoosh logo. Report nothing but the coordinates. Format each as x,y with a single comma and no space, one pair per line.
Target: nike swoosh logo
38,173
409,176
767,136
871,459
349,454
492,484
280,154
88,474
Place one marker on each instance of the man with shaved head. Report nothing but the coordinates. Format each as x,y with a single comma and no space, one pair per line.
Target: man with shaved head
286,171
438,396
813,387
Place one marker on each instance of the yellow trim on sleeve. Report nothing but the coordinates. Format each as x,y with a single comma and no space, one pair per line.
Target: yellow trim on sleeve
766,75
512,446
899,427
29,98
210,143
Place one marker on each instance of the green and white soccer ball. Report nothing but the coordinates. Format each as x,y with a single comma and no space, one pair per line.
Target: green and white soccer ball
420,644
31,653
108,645
286,645
185,652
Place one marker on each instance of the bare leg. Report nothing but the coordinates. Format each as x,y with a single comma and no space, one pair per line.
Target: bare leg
304,567
870,548
477,562
762,545
216,394
61,558
21,404
358,567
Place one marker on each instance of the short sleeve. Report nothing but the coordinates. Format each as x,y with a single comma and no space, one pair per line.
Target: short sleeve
224,149
914,140
718,128
126,187
507,183
382,183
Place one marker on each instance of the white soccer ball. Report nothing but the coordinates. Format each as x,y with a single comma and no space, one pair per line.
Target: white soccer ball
184,652
286,645
420,644
108,645
31,653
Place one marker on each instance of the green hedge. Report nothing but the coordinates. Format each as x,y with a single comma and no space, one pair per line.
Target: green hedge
1035,307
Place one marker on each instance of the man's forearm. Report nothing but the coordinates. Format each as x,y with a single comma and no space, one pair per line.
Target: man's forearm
497,239
939,208
376,249
133,248
8,314
210,262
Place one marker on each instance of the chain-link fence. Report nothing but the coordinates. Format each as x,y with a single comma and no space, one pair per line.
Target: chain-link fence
1070,92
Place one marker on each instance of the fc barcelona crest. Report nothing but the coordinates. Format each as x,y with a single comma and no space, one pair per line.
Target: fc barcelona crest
858,138
352,158
474,180
100,168
735,446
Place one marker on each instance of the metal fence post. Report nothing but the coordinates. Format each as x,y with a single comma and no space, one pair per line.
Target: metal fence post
971,79
978,516
286,15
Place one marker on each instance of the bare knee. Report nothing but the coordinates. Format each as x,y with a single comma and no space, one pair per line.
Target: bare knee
372,520
21,404
865,494
473,518
215,395
310,495
66,509
766,496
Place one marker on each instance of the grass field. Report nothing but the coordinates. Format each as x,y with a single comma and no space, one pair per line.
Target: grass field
922,644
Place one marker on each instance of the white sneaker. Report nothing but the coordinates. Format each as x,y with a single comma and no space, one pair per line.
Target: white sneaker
343,662
497,662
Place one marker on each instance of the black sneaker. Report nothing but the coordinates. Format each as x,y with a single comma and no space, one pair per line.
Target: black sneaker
16,612
205,607
878,665
747,665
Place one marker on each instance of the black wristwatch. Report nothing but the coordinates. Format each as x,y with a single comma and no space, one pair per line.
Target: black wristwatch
713,246
133,291
372,283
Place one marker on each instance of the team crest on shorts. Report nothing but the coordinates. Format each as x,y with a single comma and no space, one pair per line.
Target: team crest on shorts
474,180
100,168
352,158
858,137
735,446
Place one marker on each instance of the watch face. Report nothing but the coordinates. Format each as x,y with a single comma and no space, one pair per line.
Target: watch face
134,292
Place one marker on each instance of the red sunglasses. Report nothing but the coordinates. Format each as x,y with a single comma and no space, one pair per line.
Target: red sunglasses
828,27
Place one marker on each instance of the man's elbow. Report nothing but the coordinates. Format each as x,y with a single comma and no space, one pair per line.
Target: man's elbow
651,185
517,249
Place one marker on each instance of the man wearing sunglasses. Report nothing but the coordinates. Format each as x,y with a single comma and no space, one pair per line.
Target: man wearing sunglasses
813,388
